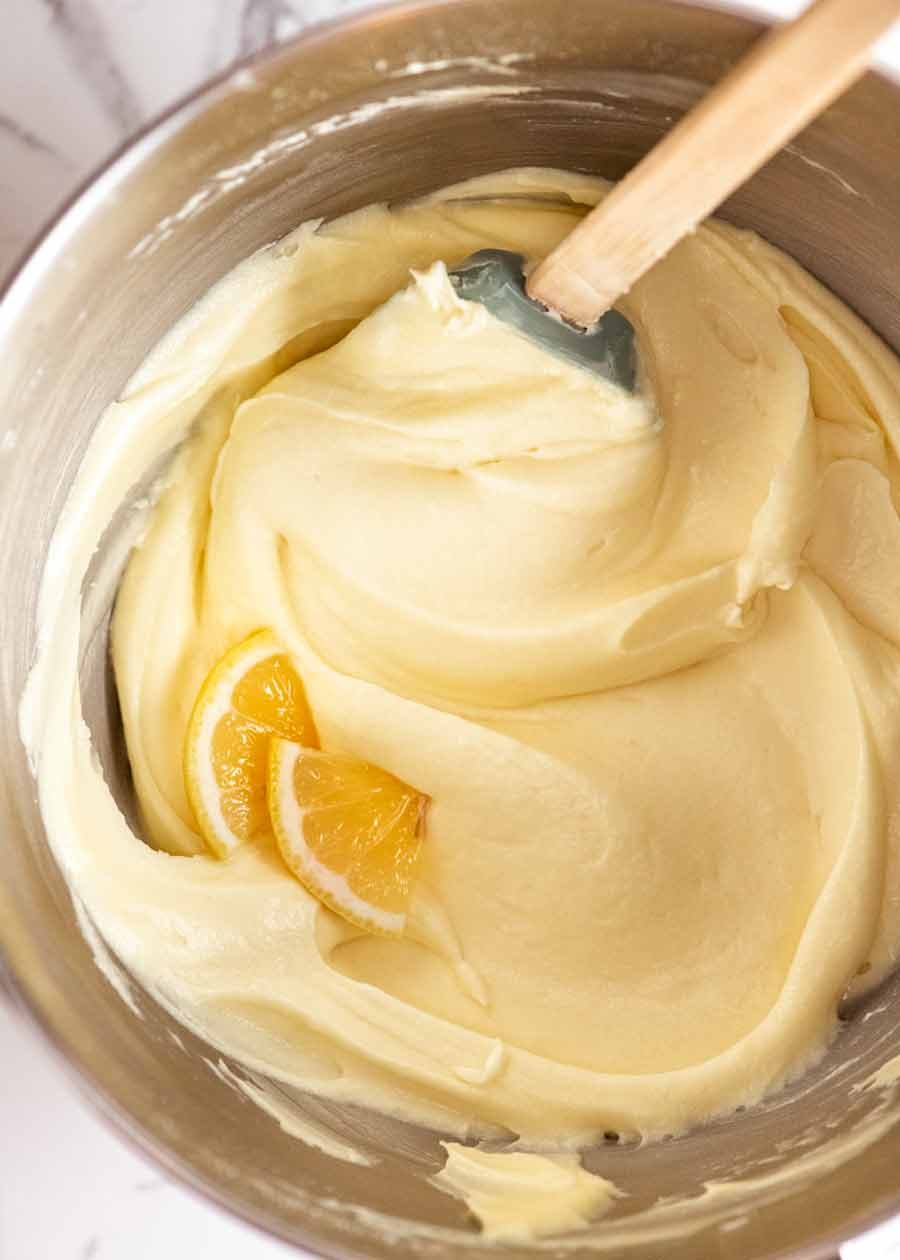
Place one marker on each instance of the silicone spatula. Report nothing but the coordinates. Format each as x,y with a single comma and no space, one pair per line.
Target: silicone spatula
565,303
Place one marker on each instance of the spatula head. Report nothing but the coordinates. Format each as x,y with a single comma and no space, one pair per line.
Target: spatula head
495,278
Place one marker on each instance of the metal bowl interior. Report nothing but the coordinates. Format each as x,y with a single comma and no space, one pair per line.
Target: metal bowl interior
386,107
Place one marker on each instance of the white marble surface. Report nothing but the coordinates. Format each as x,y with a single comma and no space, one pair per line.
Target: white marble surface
76,78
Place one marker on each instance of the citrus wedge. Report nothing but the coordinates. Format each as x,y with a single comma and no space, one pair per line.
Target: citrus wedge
253,693
349,831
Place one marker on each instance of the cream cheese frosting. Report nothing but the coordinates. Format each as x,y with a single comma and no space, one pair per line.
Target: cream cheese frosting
519,1195
642,654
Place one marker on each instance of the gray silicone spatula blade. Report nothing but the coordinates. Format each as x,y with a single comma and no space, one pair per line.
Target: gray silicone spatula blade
495,278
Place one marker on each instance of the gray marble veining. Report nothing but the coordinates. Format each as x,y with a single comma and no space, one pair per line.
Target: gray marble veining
84,40
264,22
19,133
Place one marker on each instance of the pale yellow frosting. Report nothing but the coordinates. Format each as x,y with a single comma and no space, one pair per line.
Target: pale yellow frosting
519,1195
641,653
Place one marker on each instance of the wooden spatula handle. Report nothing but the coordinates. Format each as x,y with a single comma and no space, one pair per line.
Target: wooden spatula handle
790,75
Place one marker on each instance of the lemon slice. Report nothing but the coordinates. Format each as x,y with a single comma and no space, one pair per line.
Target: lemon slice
349,831
252,694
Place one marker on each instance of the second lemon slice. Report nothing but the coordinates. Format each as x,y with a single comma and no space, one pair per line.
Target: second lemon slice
251,695
348,830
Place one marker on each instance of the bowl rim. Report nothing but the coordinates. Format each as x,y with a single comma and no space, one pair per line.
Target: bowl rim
32,263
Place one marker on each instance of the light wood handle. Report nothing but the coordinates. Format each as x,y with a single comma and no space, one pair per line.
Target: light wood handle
790,75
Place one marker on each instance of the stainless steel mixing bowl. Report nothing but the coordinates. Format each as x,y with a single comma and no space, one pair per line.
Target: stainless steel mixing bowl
462,88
